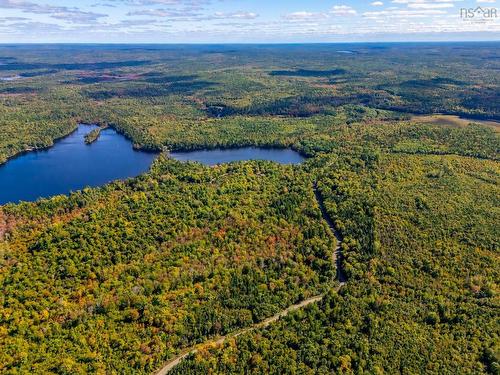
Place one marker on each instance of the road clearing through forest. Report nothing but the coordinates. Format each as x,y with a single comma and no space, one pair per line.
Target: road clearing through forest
337,253
341,277
170,365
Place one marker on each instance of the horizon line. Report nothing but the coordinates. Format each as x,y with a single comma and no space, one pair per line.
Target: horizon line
250,43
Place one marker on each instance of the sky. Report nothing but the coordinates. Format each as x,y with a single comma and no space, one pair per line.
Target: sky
246,21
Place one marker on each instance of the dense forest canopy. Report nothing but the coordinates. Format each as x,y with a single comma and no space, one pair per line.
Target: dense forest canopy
206,96
421,253
122,278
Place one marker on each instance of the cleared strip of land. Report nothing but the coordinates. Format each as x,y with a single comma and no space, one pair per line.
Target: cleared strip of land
341,277
452,120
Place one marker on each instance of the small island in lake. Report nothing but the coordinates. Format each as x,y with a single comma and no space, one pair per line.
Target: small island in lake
92,136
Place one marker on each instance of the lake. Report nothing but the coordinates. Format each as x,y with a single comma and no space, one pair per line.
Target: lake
219,156
8,79
71,165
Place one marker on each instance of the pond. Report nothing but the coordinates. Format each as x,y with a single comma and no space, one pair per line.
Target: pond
71,165
219,156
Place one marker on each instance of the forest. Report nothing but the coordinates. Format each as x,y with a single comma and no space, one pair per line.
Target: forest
421,255
124,277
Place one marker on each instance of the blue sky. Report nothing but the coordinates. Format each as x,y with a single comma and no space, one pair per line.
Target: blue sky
245,21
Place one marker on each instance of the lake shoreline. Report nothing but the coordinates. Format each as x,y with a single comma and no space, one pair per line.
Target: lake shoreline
36,149
492,121
239,146
71,165
217,156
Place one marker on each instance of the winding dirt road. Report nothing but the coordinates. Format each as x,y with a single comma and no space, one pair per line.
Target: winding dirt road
170,365
341,277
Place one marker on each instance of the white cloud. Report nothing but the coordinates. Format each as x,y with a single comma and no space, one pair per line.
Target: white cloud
235,15
218,20
300,16
343,10
69,14
430,5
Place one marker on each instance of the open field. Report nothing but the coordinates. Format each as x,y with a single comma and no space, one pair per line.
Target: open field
451,120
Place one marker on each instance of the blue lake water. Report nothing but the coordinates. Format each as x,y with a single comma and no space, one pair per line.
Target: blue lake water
71,165
12,78
219,156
